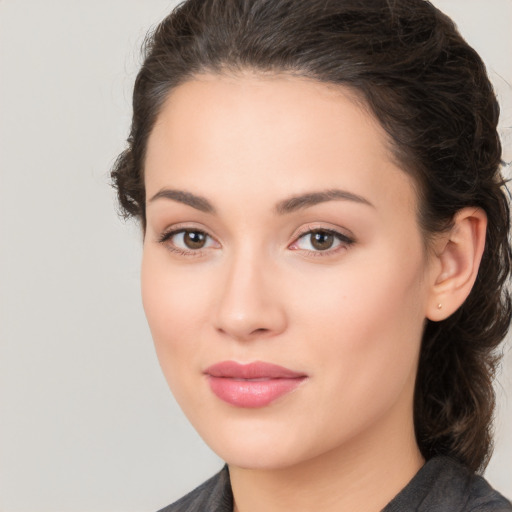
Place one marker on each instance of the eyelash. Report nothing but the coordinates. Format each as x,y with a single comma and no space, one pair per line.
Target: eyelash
345,241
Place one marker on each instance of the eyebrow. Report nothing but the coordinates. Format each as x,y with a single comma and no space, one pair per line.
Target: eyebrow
285,206
197,202
302,201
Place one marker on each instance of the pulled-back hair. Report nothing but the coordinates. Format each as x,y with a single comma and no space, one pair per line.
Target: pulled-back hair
429,90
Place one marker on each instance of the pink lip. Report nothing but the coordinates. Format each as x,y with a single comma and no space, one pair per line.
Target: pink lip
251,385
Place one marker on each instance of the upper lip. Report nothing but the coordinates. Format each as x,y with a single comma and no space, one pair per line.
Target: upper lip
254,370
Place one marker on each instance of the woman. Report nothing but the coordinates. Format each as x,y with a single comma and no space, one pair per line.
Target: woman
325,250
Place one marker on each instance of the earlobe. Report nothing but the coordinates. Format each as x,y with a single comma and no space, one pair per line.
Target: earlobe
457,259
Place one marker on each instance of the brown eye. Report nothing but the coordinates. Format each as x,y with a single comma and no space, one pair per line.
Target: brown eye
188,240
322,240
194,239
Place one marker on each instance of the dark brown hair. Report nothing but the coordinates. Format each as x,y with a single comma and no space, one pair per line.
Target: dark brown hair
430,91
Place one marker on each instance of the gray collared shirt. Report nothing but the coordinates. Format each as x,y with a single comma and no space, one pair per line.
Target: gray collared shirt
441,485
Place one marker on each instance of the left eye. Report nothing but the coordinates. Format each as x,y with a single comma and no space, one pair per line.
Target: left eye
320,240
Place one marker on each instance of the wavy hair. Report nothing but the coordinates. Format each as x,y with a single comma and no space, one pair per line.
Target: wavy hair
429,90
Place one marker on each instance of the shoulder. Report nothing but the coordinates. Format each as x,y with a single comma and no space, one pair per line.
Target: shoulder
482,497
444,485
476,495
214,495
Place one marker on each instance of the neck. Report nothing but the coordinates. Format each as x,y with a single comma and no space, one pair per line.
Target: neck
365,475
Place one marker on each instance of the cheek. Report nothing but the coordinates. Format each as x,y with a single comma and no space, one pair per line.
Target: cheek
368,323
363,294
175,304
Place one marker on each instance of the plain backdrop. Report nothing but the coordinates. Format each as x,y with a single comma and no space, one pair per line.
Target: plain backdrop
86,420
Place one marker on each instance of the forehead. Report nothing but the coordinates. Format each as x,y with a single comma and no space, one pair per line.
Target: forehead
275,134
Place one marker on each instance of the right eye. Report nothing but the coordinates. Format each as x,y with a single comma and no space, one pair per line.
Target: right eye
187,241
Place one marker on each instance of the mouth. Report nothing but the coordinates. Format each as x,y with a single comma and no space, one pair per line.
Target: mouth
251,385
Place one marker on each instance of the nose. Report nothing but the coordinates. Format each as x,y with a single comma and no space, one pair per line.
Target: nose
251,305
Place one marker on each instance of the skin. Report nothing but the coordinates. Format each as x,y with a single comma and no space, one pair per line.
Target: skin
349,317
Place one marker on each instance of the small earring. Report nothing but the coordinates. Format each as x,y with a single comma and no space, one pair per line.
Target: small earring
439,306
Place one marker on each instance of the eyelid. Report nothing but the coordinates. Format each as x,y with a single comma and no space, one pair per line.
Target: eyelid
343,234
179,227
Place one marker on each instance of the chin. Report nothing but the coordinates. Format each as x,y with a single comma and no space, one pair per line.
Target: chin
261,449
258,459
250,453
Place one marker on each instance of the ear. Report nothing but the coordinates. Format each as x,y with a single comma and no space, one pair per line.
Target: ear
455,263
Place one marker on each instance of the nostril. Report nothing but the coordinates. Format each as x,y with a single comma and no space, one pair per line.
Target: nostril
261,330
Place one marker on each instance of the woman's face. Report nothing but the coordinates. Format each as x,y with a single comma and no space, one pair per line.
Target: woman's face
280,231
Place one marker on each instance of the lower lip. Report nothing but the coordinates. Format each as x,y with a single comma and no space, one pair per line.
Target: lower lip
252,393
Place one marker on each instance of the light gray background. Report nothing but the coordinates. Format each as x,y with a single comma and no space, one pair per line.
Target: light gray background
86,420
